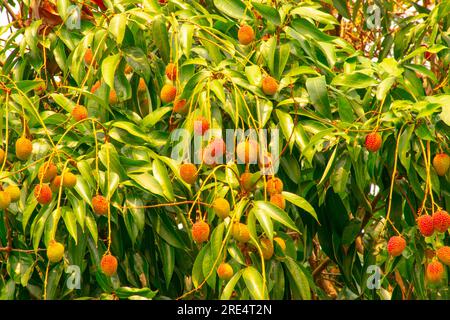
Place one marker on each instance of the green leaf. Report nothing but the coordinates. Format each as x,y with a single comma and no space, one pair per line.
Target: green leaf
300,279
265,222
117,27
233,8
267,12
301,203
229,288
161,37
254,282
275,213
109,66
317,90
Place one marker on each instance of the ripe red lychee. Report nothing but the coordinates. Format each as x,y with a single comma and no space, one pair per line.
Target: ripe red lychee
55,251
266,248
396,245
168,93
188,173
441,221
225,271
201,125
241,232
100,205
435,272
43,194
441,163
373,142
278,200
171,71
47,172
246,35
274,186
246,182
443,254
108,265
200,231
24,147
247,151
269,86
180,106
425,225
5,199
79,113
221,207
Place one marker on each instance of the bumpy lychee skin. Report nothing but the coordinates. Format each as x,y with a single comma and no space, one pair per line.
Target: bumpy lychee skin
180,106
55,251
425,225
41,87
171,71
441,221
441,163
225,271
96,86
108,264
5,199
24,148
168,93
69,180
201,125
274,186
281,243
188,173
373,142
443,254
79,113
396,245
246,35
269,86
2,156
278,200
241,232
89,57
247,151
43,194
435,272
221,207
14,192
47,172
100,205
200,231
246,183
266,248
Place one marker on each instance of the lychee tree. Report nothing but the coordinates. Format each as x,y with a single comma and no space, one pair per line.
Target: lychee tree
94,203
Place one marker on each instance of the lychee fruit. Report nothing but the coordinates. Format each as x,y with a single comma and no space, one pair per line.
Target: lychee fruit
278,200
200,231
108,264
41,87
188,173
55,184
180,106
2,156
247,151
201,125
246,35
100,205
24,147
225,271
443,254
246,182
168,93
441,221
241,232
47,172
79,113
5,199
113,97
89,57
55,251
269,86
281,243
435,272
221,207
441,163
14,192
274,186
128,69
43,194
425,225
142,86
396,245
214,151
373,141
69,180
171,71
95,87
266,248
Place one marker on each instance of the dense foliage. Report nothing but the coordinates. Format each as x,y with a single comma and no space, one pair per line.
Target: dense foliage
358,92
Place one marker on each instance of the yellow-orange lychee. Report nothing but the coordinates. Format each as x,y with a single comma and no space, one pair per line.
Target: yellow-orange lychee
47,172
441,221
89,57
14,192
269,86
396,245
171,71
200,231
247,151
43,194
221,207
108,264
55,251
142,86
5,199
168,93
280,242
69,180
188,173
2,156
246,35
113,97
246,182
241,232
79,113
435,272
274,186
443,254
180,106
278,200
100,205
201,125
225,271
373,141
441,163
24,148
266,248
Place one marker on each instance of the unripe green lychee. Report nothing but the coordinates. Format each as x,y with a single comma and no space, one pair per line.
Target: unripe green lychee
14,192
200,231
55,251
221,207
225,271
108,265
5,199
24,147
241,232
